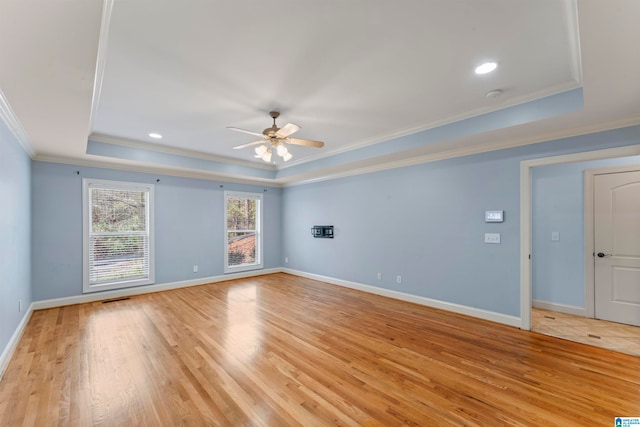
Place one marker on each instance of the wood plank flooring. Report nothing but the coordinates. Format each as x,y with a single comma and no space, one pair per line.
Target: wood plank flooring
280,350
600,333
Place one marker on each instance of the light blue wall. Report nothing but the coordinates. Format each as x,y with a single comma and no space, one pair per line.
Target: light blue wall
426,223
558,274
188,219
423,222
15,234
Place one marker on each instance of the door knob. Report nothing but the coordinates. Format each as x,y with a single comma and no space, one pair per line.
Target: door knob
602,255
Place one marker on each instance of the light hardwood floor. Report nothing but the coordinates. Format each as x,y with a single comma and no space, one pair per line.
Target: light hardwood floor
599,333
280,350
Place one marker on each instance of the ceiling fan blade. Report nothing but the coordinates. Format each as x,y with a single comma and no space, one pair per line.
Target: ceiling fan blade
305,142
287,130
237,147
245,131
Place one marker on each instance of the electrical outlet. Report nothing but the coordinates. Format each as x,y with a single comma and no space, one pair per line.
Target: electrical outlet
398,279
286,260
492,237
19,306
195,268
379,276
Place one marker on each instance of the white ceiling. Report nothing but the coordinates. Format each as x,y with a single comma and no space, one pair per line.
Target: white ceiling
351,73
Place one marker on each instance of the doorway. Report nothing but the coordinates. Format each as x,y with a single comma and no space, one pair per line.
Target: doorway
578,307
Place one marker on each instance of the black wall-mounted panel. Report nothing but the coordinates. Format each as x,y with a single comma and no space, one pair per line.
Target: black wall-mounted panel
322,231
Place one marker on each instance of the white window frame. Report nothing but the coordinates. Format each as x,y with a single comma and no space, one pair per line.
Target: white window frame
87,185
259,240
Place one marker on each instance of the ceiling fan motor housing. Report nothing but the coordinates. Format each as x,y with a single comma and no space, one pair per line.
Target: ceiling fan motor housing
270,131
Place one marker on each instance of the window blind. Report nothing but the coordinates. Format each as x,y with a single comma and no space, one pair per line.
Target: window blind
242,226
119,239
118,256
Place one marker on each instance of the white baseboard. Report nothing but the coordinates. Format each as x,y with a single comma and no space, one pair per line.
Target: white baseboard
13,342
456,308
561,308
118,293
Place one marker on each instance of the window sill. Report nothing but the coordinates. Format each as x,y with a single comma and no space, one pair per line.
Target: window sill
241,268
87,289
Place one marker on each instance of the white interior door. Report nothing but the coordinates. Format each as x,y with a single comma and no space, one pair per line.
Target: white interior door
617,247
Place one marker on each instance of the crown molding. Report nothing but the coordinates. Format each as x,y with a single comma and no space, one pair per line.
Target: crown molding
550,91
101,59
342,173
165,170
467,151
9,117
130,143
571,23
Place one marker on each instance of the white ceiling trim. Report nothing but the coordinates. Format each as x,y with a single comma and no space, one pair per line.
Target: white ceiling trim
467,151
132,166
107,139
9,117
550,91
101,59
573,34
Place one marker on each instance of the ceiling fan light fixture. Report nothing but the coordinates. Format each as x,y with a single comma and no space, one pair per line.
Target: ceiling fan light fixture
275,139
282,150
267,156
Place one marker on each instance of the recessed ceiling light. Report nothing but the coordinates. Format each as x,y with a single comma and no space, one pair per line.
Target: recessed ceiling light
155,135
485,68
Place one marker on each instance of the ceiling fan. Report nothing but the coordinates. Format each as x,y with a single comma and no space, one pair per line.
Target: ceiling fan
275,138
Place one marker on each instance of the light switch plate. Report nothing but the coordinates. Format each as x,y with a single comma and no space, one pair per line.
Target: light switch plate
492,237
555,236
493,216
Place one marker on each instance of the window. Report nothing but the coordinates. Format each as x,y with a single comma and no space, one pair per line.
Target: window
243,237
118,234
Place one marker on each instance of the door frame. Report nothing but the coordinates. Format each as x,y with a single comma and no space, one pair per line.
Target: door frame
525,218
589,232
